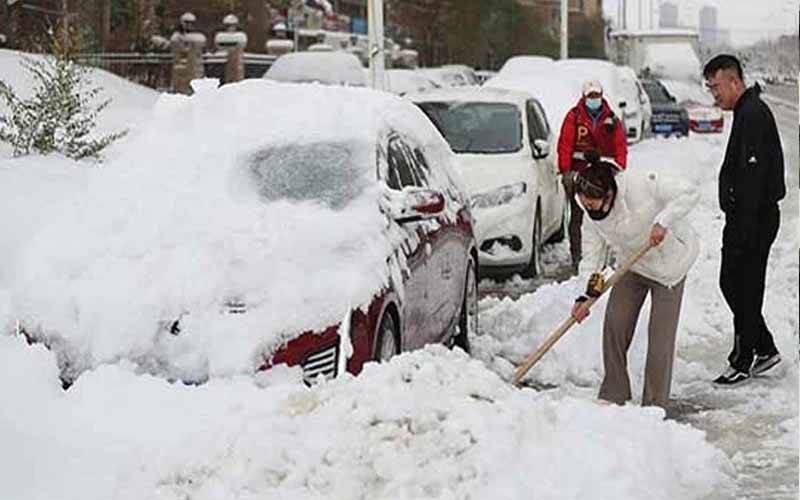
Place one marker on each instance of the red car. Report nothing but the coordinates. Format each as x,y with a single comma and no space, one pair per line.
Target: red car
432,296
704,118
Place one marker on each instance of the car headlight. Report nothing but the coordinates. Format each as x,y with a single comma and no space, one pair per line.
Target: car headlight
499,196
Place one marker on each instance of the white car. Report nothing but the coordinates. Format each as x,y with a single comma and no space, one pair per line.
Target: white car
637,111
503,143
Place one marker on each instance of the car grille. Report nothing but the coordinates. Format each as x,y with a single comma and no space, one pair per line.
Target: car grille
321,362
666,118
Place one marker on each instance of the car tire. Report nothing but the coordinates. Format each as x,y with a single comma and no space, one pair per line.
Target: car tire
534,266
468,317
388,342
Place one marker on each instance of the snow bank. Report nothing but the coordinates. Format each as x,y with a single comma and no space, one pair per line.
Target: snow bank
431,424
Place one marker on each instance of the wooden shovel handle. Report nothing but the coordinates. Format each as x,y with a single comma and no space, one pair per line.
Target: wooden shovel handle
567,323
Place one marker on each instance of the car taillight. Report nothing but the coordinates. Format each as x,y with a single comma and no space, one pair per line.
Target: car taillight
717,123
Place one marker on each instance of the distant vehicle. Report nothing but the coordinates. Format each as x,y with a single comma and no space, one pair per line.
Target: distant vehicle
668,117
330,68
503,141
704,118
484,74
522,66
404,81
661,53
638,111
450,76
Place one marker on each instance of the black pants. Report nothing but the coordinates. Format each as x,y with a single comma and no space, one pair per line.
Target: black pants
576,218
742,280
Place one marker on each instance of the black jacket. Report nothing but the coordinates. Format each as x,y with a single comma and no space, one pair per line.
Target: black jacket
751,178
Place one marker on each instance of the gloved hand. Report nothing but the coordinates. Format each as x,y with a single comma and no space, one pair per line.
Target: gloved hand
594,288
579,309
591,156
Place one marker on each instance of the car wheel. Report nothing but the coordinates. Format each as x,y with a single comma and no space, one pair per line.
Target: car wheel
388,343
468,318
534,266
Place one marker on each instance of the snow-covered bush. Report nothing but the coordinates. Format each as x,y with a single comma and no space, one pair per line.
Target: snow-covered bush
60,115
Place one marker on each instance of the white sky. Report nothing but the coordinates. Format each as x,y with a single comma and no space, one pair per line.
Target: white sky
748,20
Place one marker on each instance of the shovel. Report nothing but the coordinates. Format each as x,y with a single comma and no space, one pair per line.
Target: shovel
567,324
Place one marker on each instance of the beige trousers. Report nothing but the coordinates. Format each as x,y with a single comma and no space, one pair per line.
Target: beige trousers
619,325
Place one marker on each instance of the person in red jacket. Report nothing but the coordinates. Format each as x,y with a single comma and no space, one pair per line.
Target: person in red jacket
590,132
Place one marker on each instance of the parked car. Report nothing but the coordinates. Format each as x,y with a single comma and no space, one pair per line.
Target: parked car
330,68
450,76
404,81
290,239
638,111
668,117
503,143
704,118
523,66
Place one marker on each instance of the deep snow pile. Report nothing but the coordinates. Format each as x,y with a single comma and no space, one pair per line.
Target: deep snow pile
430,424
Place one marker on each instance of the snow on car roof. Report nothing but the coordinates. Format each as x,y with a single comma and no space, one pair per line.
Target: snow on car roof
337,68
178,224
471,94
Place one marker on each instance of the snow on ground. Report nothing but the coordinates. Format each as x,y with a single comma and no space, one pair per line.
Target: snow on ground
429,424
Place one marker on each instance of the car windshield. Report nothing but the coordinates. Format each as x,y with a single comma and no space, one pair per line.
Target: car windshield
656,93
477,127
324,172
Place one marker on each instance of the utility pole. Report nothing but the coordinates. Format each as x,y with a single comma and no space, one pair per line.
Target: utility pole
65,26
377,60
564,29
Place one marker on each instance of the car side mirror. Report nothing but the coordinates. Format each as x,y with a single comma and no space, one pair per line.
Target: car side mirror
672,98
541,149
412,204
623,105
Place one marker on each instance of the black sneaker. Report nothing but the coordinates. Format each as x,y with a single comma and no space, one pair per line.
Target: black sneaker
764,363
732,378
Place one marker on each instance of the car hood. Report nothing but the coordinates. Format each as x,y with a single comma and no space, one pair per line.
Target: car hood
484,172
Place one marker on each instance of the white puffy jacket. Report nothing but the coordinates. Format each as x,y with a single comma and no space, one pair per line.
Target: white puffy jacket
643,199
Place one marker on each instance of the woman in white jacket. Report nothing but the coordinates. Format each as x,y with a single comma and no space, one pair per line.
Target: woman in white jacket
623,213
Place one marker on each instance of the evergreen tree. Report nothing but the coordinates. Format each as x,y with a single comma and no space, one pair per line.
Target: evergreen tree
60,115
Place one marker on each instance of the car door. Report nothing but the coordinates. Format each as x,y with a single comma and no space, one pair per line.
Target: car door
416,249
447,261
549,187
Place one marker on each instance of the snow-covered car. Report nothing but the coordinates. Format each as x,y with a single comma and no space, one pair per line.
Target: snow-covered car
704,118
450,76
329,235
668,117
330,68
503,143
637,110
404,81
522,66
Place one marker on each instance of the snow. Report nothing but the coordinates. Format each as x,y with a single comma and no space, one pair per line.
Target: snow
333,68
429,424
673,61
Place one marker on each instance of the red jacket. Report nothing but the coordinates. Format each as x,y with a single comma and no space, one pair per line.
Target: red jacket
578,134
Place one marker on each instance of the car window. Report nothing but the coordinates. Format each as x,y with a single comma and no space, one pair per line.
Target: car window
329,173
477,127
656,92
536,129
401,172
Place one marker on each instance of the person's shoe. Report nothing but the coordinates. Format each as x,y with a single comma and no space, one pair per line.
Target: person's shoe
732,378
764,363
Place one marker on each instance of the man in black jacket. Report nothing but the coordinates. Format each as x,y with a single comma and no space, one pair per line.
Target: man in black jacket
750,186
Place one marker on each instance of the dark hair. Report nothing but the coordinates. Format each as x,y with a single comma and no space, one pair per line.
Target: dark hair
722,61
595,180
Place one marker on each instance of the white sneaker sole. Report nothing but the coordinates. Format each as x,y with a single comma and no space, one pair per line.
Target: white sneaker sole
767,367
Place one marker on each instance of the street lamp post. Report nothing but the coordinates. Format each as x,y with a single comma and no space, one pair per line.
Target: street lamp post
564,29
377,61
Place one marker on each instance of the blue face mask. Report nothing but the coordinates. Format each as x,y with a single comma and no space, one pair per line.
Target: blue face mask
594,103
